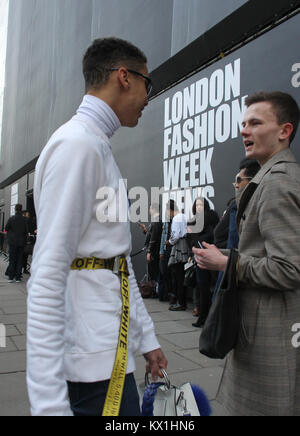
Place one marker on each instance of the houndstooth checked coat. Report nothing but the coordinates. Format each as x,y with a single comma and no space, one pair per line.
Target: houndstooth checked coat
262,374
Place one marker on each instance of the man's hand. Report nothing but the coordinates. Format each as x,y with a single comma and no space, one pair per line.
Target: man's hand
148,257
211,258
155,361
143,227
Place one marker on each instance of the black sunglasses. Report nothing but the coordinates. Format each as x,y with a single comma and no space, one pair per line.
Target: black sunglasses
148,81
239,180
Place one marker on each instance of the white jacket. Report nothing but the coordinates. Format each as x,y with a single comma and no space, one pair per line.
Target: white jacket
74,316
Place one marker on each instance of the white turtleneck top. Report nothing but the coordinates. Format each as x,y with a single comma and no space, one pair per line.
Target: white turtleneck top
101,113
74,316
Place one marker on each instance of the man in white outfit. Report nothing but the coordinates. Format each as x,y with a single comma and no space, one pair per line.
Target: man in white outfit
76,309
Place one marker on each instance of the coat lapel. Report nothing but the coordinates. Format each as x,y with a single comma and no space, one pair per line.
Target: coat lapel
285,155
247,194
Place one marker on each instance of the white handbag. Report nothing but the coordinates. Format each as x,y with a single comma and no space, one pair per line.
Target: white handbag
164,399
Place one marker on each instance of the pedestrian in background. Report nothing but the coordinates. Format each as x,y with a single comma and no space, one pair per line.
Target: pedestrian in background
178,257
167,278
153,242
202,292
248,169
17,233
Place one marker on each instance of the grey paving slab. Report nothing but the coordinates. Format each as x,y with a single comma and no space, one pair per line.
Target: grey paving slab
14,398
165,344
7,302
14,361
153,306
20,342
167,315
14,309
218,409
200,359
172,327
9,346
186,340
11,293
16,318
12,298
21,328
12,330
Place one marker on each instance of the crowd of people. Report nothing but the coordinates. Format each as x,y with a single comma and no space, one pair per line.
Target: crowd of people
170,241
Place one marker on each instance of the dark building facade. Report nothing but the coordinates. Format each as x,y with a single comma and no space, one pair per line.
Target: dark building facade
205,57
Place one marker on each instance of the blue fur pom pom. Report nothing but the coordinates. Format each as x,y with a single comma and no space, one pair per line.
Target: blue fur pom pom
202,401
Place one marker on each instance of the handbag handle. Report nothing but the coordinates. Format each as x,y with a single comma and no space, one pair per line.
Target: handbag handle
166,379
150,392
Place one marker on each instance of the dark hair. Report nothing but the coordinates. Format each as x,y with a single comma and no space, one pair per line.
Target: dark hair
18,208
108,53
205,202
285,107
171,205
251,167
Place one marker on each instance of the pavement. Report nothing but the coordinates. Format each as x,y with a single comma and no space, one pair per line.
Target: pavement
179,341
13,392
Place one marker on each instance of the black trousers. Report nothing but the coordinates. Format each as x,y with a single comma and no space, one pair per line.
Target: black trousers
15,262
178,283
87,399
153,268
166,276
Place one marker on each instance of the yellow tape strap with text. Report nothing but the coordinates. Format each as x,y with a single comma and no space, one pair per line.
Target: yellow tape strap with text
92,263
115,389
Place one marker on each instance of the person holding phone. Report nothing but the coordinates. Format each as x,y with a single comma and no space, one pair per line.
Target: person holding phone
262,374
202,292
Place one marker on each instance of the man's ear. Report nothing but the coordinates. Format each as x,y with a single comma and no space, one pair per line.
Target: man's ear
123,78
286,131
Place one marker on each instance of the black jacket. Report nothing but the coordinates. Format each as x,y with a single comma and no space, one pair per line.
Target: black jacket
17,230
211,219
153,238
222,229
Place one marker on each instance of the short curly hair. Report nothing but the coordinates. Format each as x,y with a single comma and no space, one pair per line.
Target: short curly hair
108,53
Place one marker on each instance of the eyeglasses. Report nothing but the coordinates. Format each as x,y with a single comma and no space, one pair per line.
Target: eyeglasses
239,180
148,81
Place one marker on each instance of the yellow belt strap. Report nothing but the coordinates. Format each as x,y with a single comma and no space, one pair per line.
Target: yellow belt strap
116,385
